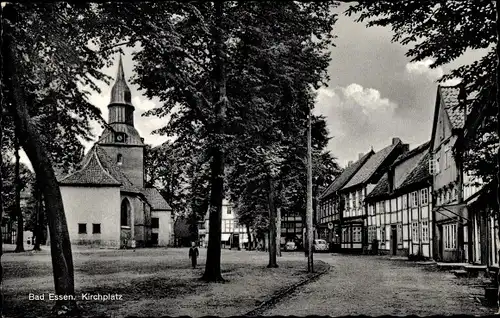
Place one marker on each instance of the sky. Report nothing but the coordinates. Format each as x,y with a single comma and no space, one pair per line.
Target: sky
374,93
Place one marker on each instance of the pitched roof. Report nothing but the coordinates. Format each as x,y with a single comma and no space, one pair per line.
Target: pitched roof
99,169
411,153
450,98
347,174
419,173
91,173
155,199
115,171
369,168
381,189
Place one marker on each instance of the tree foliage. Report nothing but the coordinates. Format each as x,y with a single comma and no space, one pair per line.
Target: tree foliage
443,30
48,69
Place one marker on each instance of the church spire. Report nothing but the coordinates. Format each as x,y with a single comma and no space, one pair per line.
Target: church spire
120,93
120,107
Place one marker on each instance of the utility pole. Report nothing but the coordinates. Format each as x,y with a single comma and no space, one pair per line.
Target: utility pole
309,205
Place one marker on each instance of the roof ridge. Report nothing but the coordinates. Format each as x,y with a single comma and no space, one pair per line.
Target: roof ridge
85,164
104,169
117,167
393,146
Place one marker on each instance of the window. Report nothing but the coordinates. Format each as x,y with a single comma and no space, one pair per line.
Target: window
82,228
405,201
414,232
382,235
228,209
155,223
447,157
400,233
424,195
124,213
356,234
96,228
119,159
450,233
442,129
414,199
425,231
382,206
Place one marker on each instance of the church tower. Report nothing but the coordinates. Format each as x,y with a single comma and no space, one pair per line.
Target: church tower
121,141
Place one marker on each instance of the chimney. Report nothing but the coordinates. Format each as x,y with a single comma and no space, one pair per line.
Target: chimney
360,155
395,140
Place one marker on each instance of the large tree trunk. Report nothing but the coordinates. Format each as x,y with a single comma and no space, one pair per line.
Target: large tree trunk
249,235
497,7
278,232
212,266
17,204
1,199
62,260
272,225
39,224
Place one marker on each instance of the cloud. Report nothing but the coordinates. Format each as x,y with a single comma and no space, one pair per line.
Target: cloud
368,98
357,118
424,68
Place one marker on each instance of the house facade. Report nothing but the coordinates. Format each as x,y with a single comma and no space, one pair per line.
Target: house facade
354,214
400,209
465,227
233,234
331,203
105,200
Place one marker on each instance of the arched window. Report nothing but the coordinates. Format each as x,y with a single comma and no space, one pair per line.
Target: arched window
119,159
125,213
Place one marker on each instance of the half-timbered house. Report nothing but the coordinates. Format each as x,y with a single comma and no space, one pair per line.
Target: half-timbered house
354,223
399,208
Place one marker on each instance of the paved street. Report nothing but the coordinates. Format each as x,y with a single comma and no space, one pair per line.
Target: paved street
370,285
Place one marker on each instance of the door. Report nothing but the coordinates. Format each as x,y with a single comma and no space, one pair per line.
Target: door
236,241
154,239
394,239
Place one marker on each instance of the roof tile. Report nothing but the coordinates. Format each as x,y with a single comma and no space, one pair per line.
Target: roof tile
92,172
369,168
347,174
450,97
155,199
419,173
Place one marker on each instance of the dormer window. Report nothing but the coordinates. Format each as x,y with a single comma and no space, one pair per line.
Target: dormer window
119,159
120,137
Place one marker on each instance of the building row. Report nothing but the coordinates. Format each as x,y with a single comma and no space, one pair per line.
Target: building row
420,202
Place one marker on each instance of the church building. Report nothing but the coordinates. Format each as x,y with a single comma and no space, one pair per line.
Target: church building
106,202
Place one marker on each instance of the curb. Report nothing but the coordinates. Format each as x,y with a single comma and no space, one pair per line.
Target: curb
280,295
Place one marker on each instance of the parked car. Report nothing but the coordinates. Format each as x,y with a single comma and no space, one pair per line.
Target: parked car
290,246
320,246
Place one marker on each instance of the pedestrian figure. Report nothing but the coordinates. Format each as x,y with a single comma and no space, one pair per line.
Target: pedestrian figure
193,254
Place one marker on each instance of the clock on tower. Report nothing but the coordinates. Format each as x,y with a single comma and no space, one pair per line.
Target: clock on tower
120,137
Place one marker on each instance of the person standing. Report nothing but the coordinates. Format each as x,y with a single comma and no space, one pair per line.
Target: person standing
193,254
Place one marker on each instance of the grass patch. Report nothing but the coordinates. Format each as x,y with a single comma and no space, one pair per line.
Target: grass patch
152,282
